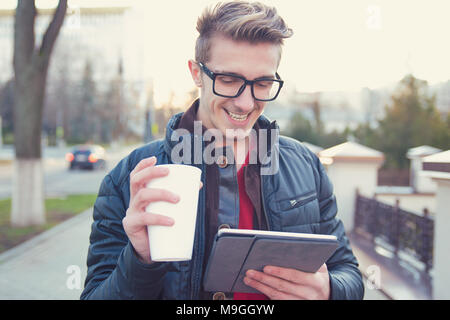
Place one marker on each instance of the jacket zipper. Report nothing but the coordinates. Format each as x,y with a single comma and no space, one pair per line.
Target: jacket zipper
264,203
272,125
294,202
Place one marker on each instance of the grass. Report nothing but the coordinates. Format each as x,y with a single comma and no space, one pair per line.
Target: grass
57,211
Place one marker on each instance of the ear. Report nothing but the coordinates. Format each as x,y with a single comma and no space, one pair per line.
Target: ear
196,73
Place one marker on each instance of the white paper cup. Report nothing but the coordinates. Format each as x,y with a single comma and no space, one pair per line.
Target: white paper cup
175,243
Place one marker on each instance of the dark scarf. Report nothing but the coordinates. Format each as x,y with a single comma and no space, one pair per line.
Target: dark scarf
252,184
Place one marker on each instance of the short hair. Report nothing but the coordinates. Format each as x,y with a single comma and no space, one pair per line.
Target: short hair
241,21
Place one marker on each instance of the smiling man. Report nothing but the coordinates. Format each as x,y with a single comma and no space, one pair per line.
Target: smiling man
238,52
239,81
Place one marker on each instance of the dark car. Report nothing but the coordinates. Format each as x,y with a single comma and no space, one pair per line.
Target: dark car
87,157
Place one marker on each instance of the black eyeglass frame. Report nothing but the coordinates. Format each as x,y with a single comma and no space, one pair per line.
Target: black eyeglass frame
212,75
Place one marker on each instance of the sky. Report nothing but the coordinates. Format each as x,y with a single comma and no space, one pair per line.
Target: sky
337,44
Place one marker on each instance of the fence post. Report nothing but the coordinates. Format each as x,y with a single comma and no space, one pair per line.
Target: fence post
427,240
373,227
356,214
396,226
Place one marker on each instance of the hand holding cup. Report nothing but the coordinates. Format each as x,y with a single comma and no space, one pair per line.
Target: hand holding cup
150,204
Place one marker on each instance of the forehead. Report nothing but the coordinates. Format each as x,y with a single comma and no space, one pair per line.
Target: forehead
251,60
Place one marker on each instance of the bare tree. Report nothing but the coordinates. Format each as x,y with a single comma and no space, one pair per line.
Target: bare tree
30,68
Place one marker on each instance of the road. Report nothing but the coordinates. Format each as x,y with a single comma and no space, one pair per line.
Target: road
58,180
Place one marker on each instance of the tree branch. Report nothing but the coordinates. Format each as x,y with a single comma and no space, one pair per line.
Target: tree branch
52,31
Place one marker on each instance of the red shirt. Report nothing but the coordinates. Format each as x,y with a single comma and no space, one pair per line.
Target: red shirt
245,222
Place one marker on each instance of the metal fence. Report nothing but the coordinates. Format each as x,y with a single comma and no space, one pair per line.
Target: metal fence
399,230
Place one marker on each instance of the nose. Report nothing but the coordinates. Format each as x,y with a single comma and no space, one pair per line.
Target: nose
245,101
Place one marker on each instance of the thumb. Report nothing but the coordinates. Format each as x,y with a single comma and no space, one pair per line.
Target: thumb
323,268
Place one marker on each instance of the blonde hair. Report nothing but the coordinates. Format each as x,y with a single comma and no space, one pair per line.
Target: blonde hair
241,21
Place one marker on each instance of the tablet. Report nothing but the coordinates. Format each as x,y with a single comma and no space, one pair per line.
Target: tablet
237,250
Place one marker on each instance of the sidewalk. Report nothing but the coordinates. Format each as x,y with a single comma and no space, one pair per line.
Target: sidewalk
45,267
37,269
396,281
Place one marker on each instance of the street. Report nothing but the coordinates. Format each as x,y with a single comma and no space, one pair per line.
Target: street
58,179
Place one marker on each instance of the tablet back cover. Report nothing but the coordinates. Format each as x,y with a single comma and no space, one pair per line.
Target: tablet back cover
225,262
232,256
305,256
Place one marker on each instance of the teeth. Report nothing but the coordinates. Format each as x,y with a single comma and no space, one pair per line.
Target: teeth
238,117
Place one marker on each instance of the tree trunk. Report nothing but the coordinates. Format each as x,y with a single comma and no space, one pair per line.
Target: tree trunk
28,193
29,100
30,69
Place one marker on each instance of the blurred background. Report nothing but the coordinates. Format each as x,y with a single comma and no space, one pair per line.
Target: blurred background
367,88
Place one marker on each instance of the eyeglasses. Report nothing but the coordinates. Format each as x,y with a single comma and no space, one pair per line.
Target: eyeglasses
231,86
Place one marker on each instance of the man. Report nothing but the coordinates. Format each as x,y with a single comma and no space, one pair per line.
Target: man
237,55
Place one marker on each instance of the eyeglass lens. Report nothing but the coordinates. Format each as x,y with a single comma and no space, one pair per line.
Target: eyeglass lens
230,86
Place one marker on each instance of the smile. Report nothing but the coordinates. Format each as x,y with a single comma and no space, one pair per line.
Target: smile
238,117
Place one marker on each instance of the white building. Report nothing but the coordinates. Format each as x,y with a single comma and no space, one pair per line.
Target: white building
103,34
351,167
420,180
96,33
438,165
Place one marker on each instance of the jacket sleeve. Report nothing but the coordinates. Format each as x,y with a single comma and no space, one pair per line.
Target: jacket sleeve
114,271
345,277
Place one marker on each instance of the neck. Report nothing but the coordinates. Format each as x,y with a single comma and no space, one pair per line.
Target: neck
240,146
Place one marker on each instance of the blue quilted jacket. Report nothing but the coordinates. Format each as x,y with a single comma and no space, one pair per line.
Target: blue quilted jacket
298,198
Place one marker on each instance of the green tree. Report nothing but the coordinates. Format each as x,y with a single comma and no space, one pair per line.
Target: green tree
301,129
82,121
410,121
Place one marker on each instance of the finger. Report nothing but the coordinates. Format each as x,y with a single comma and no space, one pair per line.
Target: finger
156,219
147,195
151,161
292,275
270,292
136,222
144,163
308,285
279,284
201,185
141,178
323,268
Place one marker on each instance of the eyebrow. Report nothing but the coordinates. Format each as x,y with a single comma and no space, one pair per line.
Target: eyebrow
242,76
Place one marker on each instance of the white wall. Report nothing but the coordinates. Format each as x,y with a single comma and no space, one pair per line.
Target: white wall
411,202
346,178
441,274
424,183
421,180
